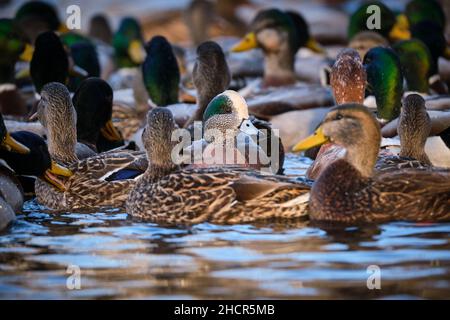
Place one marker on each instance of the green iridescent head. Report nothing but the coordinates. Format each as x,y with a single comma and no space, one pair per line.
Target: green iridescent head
359,19
160,72
416,62
11,46
128,43
422,10
385,81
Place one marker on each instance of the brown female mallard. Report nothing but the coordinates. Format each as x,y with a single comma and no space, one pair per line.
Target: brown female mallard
165,193
348,191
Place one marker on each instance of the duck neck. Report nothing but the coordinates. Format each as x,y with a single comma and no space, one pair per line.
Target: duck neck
413,149
62,146
205,95
157,171
363,154
279,68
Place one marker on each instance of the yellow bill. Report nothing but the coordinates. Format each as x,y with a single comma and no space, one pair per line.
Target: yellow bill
12,144
314,140
247,43
23,73
52,175
136,51
400,30
27,53
314,46
63,28
110,132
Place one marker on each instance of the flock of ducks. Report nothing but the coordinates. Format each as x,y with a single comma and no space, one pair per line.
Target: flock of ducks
107,105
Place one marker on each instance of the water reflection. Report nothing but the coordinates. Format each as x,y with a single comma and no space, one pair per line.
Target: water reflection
123,258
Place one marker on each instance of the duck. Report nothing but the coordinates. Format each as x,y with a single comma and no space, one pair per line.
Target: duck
230,137
348,191
392,27
96,181
279,34
100,28
50,62
167,194
93,105
12,102
21,153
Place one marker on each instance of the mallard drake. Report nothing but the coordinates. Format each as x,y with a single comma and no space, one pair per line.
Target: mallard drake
94,182
24,154
279,35
128,44
391,27
11,46
417,11
347,191
167,194
35,17
228,134
93,105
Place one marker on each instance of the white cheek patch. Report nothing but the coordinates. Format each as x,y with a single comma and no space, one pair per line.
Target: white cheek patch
248,128
239,104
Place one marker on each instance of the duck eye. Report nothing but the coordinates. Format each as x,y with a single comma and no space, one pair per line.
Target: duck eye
339,116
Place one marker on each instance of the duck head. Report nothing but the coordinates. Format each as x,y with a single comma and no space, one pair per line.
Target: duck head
93,104
35,17
36,161
100,28
385,81
128,44
391,27
157,139
414,127
353,127
416,62
348,78
210,75
279,35
228,113
417,11
56,113
160,72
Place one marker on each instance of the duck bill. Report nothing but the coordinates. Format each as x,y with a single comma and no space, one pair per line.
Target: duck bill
77,71
400,30
314,46
136,51
247,43
27,53
62,28
12,144
110,132
52,176
314,140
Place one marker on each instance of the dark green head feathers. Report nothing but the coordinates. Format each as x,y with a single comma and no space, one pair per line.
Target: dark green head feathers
416,62
93,103
221,104
417,11
49,62
160,72
385,81
11,46
127,40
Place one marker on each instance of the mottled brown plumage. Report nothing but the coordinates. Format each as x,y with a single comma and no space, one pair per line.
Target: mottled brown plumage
91,186
165,193
347,191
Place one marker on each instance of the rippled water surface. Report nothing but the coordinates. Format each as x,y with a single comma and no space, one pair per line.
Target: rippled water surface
122,258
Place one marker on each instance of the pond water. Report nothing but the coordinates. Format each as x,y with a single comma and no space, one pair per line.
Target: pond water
122,258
